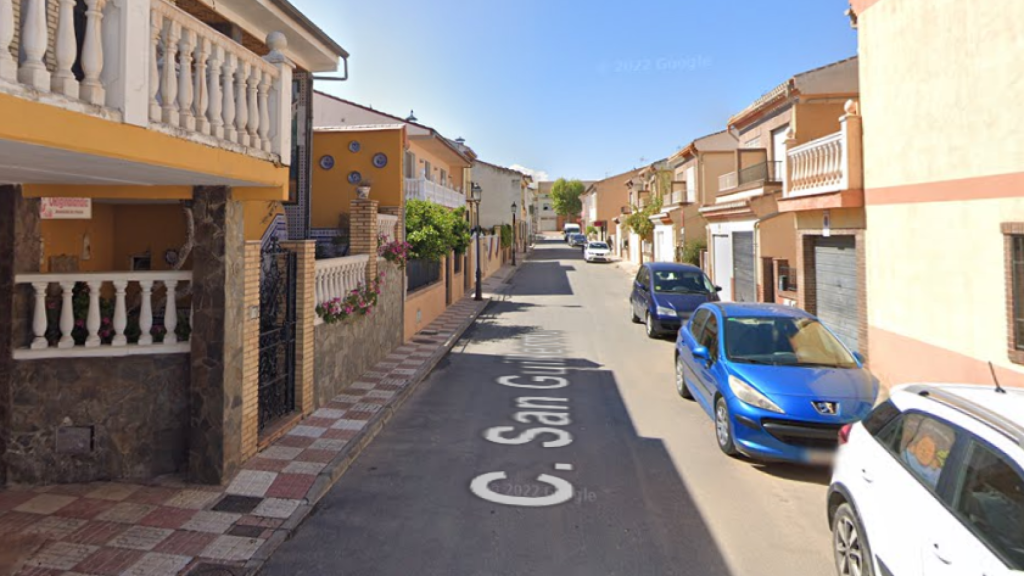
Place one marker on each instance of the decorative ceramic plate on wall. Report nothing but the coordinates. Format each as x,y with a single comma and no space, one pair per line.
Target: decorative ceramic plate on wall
327,162
354,146
380,160
354,177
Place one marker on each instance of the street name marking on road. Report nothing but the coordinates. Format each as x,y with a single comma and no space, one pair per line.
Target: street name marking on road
542,367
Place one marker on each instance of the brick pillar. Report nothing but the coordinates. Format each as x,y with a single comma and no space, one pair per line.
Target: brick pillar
215,394
363,233
305,314
400,227
251,352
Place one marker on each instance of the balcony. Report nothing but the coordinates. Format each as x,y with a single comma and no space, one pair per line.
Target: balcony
150,64
423,189
761,173
828,164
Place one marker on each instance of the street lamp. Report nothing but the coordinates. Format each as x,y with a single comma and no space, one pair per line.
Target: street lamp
514,246
475,194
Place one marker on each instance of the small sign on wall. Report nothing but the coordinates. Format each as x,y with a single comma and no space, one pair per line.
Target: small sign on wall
826,225
65,208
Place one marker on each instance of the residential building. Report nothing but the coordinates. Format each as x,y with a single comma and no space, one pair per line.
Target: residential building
746,231
944,189
547,220
695,176
501,187
143,176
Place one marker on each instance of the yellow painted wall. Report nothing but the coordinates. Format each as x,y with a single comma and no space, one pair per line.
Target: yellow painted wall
814,120
777,238
117,232
941,86
259,215
332,195
66,238
52,127
843,218
436,164
424,306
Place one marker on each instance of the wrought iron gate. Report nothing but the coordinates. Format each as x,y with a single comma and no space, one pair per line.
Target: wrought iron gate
277,332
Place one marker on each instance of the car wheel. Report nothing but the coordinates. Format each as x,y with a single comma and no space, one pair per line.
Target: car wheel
723,427
681,387
853,557
649,325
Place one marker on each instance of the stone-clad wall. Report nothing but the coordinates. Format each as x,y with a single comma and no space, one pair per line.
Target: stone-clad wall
138,406
344,351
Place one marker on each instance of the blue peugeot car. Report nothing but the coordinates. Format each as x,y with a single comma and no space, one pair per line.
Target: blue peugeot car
665,295
777,383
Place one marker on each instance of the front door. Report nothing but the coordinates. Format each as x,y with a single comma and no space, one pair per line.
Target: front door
722,265
277,333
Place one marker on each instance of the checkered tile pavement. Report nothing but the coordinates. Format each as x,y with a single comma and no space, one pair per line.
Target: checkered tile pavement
169,527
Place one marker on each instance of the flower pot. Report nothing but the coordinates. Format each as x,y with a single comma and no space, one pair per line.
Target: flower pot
363,192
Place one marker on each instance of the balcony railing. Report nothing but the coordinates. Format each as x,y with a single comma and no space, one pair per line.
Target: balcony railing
156,67
338,277
761,173
387,226
423,189
829,164
107,314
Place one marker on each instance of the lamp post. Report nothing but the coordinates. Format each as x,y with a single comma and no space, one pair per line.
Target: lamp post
474,197
514,245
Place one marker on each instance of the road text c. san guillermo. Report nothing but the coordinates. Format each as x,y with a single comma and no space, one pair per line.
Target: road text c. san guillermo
542,368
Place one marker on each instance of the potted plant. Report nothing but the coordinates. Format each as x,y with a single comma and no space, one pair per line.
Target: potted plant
363,189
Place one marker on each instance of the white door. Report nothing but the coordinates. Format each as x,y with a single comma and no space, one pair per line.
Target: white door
722,265
779,152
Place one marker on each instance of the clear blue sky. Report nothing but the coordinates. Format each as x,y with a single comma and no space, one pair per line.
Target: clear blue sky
573,88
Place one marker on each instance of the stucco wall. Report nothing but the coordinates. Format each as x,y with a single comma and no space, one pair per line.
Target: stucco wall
777,239
137,405
500,189
939,85
422,307
332,194
342,352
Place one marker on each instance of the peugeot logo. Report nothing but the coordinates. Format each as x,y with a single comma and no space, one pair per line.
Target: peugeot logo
826,408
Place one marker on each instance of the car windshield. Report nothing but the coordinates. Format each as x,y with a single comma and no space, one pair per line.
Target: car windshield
784,342
681,282
598,246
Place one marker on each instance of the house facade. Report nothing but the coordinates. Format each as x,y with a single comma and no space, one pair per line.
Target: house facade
747,232
605,201
145,166
544,210
501,187
944,190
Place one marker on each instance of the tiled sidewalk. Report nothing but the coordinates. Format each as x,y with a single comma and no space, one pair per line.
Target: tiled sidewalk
169,527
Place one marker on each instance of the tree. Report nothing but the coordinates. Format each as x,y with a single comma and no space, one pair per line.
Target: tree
639,221
565,196
434,231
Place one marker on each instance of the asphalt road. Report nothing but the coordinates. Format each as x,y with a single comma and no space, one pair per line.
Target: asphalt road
631,482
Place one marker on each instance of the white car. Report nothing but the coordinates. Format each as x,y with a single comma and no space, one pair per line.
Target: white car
597,252
931,484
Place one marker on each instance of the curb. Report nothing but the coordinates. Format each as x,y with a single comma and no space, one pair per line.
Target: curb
334,470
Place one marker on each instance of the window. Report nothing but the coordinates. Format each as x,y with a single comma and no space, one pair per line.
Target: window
444,177
691,185
885,413
410,165
1014,248
427,173
921,444
784,341
709,338
682,282
698,322
989,499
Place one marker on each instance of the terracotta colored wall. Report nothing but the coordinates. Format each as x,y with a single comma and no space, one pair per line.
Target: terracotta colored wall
422,307
816,119
436,163
65,238
259,215
332,194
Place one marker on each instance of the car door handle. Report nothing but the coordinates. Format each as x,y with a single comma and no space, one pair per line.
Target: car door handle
938,554
866,476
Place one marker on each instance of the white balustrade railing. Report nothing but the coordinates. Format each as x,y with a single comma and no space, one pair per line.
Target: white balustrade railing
54,324
728,181
338,277
164,67
423,189
817,167
387,226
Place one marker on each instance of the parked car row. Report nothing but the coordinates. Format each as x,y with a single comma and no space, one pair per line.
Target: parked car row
929,482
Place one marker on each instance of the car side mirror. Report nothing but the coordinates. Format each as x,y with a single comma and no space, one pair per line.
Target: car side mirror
700,352
718,288
860,357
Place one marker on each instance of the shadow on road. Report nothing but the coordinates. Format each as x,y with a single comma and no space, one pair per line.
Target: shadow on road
539,278
807,474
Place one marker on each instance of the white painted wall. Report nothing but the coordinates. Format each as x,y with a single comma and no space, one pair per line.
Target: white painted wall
500,189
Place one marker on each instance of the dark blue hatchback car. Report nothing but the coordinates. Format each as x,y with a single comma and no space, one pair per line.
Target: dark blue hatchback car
666,294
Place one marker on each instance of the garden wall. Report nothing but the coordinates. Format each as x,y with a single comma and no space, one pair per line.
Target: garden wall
343,351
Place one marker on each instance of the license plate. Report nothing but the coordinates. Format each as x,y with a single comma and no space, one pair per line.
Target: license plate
820,457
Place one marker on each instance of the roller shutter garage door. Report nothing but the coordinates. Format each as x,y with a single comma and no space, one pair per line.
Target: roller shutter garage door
835,274
743,266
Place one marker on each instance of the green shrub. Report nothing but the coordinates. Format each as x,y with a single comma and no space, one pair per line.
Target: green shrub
434,231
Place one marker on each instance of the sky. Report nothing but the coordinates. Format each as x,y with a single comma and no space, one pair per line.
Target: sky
575,89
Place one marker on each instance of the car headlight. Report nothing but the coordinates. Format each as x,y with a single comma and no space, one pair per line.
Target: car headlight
662,311
748,395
